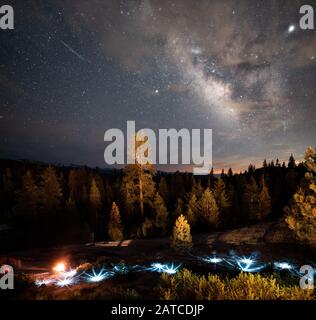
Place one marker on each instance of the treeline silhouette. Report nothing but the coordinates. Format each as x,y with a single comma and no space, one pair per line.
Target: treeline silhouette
46,205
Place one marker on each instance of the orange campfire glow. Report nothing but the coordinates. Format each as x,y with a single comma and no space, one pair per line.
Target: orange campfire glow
60,267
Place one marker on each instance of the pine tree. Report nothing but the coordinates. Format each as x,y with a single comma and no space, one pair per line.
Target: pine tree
71,219
72,183
138,183
71,207
264,202
100,185
7,181
192,209
78,184
139,186
310,162
181,239
8,189
95,203
291,164
163,189
95,196
301,211
251,169
179,185
26,210
197,188
178,208
220,195
50,190
250,199
208,208
161,213
109,194
85,194
146,228
28,197
233,213
210,180
115,226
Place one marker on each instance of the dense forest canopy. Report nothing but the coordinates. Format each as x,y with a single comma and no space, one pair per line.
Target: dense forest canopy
46,204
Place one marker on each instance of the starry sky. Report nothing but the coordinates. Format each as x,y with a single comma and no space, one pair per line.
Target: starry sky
70,70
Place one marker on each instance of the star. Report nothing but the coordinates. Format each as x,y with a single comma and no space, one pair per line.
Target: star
291,28
196,51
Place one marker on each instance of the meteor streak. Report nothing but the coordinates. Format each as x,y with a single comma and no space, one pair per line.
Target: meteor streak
73,51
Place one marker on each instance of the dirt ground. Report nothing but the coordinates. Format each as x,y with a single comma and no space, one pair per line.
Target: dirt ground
268,239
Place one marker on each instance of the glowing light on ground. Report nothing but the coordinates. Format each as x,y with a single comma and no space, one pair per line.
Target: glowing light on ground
171,269
121,268
63,277
283,265
164,267
66,282
214,259
70,273
246,261
158,267
60,267
44,282
99,276
248,264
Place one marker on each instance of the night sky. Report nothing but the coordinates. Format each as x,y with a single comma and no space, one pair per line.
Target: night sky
73,69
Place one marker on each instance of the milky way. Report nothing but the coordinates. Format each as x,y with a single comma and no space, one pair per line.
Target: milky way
71,70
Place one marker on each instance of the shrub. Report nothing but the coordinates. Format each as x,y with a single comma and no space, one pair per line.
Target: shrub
301,211
245,286
115,226
181,239
126,294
